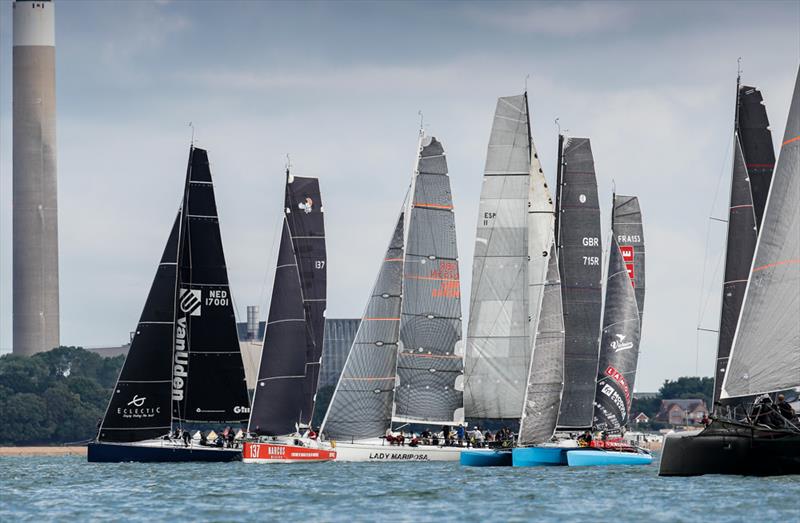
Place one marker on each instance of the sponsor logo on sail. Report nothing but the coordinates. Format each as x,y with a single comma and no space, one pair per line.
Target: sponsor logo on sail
190,301
306,205
180,366
241,410
627,253
620,343
137,401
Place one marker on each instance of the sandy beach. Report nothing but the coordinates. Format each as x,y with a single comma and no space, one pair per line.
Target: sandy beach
42,451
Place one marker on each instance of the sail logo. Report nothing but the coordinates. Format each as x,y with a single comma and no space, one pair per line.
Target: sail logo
620,343
306,205
190,300
180,366
137,401
627,253
240,410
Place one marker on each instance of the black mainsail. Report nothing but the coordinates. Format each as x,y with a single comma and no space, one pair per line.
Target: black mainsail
626,226
753,162
184,364
578,237
208,383
362,404
429,368
619,346
305,216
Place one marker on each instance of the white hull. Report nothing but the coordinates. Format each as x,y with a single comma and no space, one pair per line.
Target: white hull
378,451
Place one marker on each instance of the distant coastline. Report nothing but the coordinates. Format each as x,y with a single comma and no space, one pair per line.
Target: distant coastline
42,451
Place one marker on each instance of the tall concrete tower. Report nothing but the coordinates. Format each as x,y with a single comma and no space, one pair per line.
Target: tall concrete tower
35,208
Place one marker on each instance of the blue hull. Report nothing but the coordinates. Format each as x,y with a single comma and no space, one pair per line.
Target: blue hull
121,452
591,458
486,458
540,456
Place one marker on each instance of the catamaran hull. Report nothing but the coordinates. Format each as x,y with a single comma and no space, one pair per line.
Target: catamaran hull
275,453
539,456
593,458
731,448
368,452
125,452
486,458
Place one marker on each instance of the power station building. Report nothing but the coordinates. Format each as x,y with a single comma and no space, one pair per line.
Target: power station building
34,193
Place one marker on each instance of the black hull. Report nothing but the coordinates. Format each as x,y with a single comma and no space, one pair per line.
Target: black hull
734,449
125,452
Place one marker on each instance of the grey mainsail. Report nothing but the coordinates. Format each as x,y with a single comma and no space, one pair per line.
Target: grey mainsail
766,347
429,368
498,347
579,253
361,406
627,229
619,346
546,374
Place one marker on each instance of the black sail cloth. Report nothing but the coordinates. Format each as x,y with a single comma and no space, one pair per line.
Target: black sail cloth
626,225
304,214
579,254
619,347
208,373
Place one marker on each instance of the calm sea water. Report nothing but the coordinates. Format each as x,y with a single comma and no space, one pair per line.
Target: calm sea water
69,489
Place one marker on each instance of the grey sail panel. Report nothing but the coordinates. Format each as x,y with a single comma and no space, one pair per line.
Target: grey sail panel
498,349
741,245
361,406
619,347
627,228
140,407
766,348
208,375
428,365
579,253
546,374
279,399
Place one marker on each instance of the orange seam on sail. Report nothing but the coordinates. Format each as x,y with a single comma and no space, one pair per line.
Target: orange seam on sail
433,206
393,259
767,266
381,319
740,206
790,140
442,356
371,379
412,277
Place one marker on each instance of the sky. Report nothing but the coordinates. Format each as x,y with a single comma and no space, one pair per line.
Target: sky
338,86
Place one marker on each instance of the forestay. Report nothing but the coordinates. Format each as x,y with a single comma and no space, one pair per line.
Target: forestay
766,347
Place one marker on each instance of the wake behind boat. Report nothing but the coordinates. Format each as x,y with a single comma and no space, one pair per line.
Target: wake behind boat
184,367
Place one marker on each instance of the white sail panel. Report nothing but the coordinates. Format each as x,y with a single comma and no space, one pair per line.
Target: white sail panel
766,347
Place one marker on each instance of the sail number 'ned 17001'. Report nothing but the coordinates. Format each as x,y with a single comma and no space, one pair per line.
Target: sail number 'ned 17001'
591,241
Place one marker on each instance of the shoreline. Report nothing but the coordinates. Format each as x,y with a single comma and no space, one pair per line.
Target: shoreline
42,451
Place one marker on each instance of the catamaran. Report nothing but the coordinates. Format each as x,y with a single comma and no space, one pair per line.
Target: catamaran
759,341
283,404
405,366
184,366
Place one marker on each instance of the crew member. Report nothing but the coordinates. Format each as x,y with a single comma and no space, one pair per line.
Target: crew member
784,408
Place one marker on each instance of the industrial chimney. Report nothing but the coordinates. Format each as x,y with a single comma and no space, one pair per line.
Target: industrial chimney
34,200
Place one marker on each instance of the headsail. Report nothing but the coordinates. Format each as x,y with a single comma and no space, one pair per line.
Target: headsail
140,407
429,368
307,228
619,346
361,406
766,348
750,180
579,254
546,374
498,346
208,373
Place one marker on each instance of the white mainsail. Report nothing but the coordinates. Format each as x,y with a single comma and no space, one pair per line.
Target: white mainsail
765,356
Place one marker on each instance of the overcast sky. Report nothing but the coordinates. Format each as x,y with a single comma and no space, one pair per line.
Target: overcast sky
338,86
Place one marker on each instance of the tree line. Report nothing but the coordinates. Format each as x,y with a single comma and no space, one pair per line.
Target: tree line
54,397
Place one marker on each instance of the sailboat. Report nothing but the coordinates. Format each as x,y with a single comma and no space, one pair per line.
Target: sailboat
283,404
515,335
764,354
619,342
405,366
184,366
